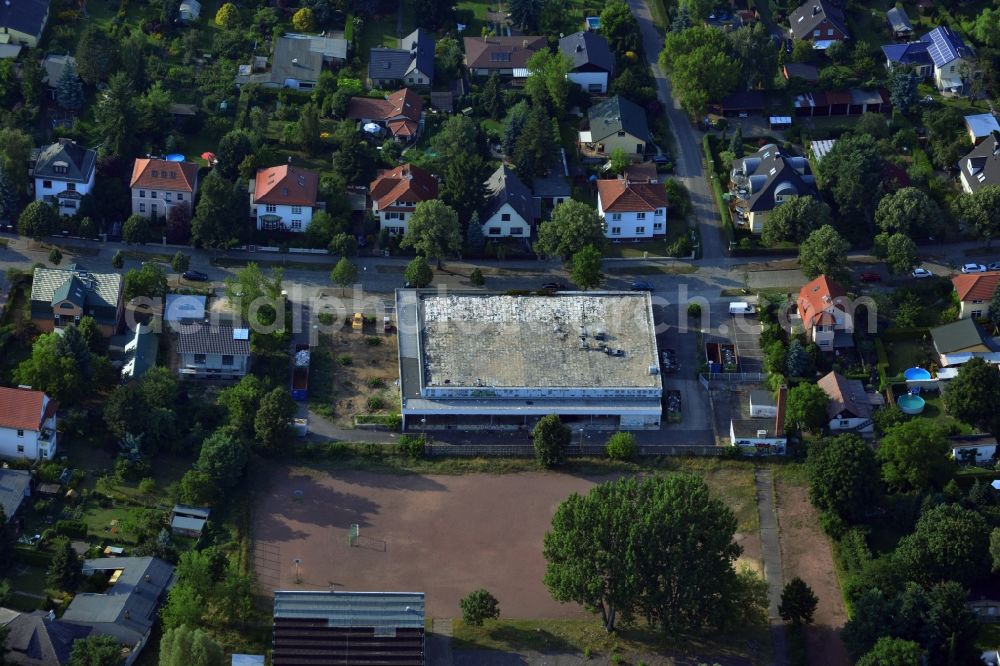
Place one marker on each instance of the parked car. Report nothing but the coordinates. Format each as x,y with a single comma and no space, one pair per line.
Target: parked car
554,286
669,358
641,286
195,276
973,268
995,266
870,276
7,226
921,273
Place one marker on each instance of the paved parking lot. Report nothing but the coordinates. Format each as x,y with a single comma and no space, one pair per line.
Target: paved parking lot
695,424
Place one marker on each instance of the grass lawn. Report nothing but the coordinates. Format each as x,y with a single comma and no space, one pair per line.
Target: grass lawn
588,638
381,30
905,354
989,637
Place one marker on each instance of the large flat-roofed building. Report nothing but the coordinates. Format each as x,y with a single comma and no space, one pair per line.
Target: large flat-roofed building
489,361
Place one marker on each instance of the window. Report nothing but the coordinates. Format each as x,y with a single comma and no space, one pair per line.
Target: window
71,187
409,80
296,225
616,217
155,173
20,433
616,231
20,448
657,226
199,359
152,194
659,212
505,217
227,359
46,184
640,230
494,231
142,194
166,196
516,231
978,301
270,208
142,208
152,209
296,210
180,196
977,314
621,132
829,32
640,216
844,423
815,34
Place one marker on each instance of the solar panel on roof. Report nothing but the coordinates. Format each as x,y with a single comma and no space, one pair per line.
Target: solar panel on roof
241,334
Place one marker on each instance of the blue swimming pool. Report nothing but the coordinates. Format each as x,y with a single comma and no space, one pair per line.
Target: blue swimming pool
175,157
593,22
911,404
916,373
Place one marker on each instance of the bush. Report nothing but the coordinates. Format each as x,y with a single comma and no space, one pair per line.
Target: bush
621,446
478,607
694,310
410,446
682,247
832,524
344,359
376,402
373,340
71,528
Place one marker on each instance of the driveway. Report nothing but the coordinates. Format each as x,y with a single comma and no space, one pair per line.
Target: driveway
687,153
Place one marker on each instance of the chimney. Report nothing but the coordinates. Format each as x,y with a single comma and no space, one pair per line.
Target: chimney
524,44
779,419
52,616
815,10
579,48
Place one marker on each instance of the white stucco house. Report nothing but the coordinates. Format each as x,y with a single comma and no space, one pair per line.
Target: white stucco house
64,173
27,424
511,209
213,352
283,198
632,210
849,408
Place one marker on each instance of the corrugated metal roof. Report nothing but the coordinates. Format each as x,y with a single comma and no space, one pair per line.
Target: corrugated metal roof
353,609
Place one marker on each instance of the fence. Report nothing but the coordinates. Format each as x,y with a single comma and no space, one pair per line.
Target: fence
587,450
731,378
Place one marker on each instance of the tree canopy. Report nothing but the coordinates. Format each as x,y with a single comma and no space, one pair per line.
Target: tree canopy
909,211
852,172
586,271
573,226
915,456
824,252
700,67
418,273
189,646
479,606
843,476
974,395
982,210
433,230
657,547
950,542
794,220
96,650
807,407
551,438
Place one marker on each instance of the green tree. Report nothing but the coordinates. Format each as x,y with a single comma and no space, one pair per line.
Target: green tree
448,57
241,403
55,256
196,488
901,253
547,85
843,477
228,16
95,55
273,423
256,295
586,272
987,27
621,446
476,278
982,210
949,543
798,362
95,650
574,225
38,219
355,159
854,175
524,13
551,440
699,65
223,458
535,146
620,28
806,408
344,274
671,560
69,89
433,230
479,606
915,456
794,220
464,186
736,144
91,336
475,241
149,281
889,651
15,151
618,161
308,128
974,395
909,211
458,135
116,116
180,262
185,606
136,229
491,97
418,274
757,54
118,260
153,111
52,370
903,89
995,549
234,147
220,219
8,197
66,566
824,252
513,126
798,603
187,646
304,20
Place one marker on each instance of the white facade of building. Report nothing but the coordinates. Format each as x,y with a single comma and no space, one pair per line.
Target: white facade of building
633,224
853,424
64,195
506,222
30,444
592,82
294,218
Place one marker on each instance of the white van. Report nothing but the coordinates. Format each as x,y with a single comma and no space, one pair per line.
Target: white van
740,307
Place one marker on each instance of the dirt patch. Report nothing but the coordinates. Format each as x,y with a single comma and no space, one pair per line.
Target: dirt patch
806,553
443,535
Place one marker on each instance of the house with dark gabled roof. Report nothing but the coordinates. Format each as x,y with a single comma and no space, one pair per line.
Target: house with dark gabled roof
591,62
960,337
616,123
505,56
126,609
766,179
849,406
395,194
981,167
899,23
410,65
213,352
23,21
64,173
63,296
38,638
820,22
511,210
941,53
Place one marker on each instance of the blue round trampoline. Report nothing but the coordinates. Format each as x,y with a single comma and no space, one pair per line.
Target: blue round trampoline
916,373
175,157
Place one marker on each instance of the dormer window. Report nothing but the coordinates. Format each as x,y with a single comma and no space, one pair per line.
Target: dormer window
156,173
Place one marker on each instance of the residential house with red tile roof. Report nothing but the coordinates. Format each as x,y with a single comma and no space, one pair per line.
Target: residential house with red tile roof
27,424
505,56
974,292
849,407
395,194
825,313
283,198
158,186
632,209
399,114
